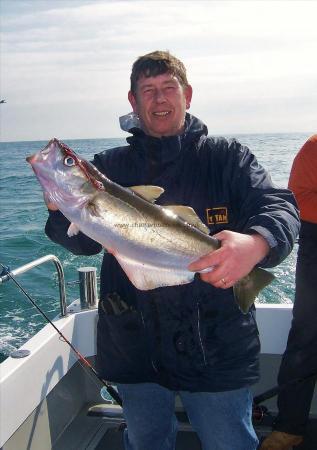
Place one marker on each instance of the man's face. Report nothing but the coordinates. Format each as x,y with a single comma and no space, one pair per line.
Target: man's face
161,103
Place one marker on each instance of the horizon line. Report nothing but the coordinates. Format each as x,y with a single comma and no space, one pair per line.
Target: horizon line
123,137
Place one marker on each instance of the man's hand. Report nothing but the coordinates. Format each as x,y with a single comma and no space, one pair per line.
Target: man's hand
236,257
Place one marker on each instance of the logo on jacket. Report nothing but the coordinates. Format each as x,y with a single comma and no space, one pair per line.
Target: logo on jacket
216,216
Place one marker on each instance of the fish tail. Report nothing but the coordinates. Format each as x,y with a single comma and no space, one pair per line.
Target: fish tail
247,289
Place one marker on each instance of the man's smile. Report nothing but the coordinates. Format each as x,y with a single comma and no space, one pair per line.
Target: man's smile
161,113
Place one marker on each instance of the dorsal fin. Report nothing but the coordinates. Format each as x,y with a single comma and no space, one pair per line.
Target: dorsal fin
149,193
188,215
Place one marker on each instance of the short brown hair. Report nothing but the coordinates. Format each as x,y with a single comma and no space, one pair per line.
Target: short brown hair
157,63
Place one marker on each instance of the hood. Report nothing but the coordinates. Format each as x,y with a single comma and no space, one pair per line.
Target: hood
166,148
131,123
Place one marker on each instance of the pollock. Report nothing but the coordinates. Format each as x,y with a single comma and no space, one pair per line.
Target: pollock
153,244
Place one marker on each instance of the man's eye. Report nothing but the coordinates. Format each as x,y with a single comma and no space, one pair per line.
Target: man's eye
69,161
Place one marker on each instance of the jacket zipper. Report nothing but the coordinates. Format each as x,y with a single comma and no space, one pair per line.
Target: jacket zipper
143,323
199,334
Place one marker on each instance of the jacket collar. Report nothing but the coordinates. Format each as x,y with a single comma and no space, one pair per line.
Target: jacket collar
167,148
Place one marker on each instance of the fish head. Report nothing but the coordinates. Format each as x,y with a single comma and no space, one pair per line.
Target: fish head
66,179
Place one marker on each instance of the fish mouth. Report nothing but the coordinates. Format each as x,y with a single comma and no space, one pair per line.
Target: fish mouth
43,176
43,154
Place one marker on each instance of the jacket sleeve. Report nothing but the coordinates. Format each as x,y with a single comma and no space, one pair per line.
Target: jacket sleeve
56,229
260,206
303,180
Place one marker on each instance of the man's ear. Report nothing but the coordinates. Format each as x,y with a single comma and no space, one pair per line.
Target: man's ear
188,95
132,101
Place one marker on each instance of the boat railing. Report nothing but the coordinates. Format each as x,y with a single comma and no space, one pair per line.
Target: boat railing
37,262
87,281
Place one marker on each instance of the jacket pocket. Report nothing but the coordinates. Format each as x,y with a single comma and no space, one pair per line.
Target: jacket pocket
122,345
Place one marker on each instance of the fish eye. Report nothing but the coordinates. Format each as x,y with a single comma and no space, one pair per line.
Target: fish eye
69,161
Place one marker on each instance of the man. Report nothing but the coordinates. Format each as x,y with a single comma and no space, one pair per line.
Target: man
300,357
190,339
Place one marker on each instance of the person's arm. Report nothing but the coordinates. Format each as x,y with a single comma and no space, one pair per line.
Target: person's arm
56,229
268,222
303,180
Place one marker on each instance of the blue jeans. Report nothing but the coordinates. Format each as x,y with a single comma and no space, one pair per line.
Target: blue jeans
222,420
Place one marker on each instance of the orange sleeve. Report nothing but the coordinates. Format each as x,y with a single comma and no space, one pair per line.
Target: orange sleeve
303,180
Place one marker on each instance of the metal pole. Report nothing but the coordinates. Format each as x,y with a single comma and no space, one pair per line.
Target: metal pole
37,262
88,287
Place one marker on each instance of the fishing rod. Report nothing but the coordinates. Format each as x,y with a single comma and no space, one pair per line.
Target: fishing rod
270,393
86,364
261,412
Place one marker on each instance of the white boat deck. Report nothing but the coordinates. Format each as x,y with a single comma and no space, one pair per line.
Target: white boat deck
46,396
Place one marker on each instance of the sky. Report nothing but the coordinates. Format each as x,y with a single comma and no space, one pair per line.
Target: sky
65,64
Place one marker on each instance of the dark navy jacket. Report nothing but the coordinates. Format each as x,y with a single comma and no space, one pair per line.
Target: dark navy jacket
190,337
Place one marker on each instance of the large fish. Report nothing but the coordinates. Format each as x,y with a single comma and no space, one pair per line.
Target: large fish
153,244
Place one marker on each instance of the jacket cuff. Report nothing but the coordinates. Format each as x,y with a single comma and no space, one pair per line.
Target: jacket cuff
270,239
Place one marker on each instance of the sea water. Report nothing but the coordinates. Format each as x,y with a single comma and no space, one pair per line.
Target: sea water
22,237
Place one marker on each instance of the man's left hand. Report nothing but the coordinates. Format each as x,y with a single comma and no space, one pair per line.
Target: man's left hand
236,257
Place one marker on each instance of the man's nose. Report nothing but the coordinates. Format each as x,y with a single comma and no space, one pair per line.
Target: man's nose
160,96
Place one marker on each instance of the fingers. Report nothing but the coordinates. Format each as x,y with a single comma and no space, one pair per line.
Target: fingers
51,207
218,278
212,269
209,261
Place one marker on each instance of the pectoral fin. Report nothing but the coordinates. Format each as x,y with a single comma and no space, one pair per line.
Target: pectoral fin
73,229
247,289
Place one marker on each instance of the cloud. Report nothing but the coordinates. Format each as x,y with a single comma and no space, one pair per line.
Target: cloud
75,56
